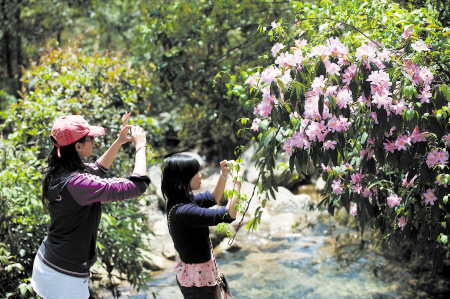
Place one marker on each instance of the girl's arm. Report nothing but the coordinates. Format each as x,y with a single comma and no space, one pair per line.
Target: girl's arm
108,157
219,188
140,143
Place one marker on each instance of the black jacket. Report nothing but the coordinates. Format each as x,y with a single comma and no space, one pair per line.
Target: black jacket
189,227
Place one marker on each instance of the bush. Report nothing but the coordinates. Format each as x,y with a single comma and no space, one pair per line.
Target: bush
100,88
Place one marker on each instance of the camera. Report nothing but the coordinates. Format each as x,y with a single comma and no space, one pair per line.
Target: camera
230,162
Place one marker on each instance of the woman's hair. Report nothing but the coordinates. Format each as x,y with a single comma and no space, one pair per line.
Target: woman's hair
177,173
69,161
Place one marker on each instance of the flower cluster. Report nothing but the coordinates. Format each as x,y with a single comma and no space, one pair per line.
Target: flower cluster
430,198
358,108
437,157
394,200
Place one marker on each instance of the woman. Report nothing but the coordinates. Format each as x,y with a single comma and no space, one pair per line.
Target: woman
189,219
73,192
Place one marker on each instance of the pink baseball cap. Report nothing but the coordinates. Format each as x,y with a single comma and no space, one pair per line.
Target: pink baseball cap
69,129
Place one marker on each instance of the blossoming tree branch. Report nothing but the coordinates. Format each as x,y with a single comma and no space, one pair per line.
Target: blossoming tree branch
372,115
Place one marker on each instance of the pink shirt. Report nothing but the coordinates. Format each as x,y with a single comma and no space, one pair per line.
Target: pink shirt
196,275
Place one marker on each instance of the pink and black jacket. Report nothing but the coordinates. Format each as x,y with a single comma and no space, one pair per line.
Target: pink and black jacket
75,210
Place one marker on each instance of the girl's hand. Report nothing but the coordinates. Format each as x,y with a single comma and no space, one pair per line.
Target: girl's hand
224,168
138,136
123,136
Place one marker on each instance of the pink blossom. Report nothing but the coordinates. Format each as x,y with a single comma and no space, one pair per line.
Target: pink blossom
264,108
330,144
337,186
276,48
270,74
331,90
352,69
251,80
370,154
357,188
447,139
354,209
394,200
318,84
274,25
336,47
301,43
402,222
315,129
286,78
436,157
343,123
385,55
347,77
255,124
425,95
378,77
321,138
416,136
367,193
405,180
270,98
325,168
407,33
374,116
364,52
343,98
432,159
332,69
297,139
288,146
430,198
357,177
333,124
419,46
401,142
380,82
382,99
399,107
321,51
426,76
443,158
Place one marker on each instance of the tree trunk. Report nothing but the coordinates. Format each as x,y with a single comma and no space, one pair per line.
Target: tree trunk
19,59
6,43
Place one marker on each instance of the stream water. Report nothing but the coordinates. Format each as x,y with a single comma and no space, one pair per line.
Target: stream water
296,262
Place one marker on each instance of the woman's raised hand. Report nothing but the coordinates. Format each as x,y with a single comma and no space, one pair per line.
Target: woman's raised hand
224,168
138,136
231,168
123,136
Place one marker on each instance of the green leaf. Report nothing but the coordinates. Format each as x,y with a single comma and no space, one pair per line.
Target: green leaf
268,138
264,125
321,69
409,115
364,138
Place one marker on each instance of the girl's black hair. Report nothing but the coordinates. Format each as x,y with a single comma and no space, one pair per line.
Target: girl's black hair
177,173
69,161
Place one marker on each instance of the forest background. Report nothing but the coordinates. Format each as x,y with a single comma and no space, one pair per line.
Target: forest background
158,59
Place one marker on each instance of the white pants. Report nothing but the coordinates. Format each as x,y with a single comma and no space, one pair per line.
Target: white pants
50,284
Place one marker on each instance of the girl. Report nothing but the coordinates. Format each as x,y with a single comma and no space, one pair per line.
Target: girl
73,192
189,219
